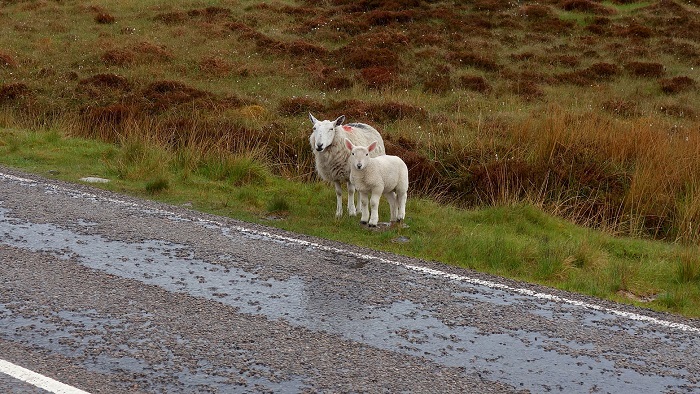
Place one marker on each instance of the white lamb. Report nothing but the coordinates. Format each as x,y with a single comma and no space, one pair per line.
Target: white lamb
332,163
379,175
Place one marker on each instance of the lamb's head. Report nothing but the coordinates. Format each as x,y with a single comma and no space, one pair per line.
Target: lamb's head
359,155
324,132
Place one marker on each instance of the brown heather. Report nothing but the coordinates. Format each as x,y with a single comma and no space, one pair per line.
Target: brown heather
576,106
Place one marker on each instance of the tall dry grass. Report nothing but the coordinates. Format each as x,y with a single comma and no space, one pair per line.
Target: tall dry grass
638,177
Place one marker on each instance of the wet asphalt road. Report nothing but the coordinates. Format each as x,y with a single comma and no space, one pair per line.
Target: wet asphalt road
111,294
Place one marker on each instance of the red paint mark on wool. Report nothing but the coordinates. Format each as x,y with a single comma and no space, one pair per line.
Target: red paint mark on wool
347,128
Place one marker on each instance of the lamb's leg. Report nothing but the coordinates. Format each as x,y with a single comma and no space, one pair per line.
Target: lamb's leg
339,199
401,206
351,200
391,198
374,205
364,206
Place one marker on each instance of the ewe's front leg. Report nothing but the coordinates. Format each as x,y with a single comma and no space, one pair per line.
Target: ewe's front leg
364,207
338,199
374,205
351,200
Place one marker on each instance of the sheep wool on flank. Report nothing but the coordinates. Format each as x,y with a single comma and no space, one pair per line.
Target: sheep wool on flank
386,174
332,159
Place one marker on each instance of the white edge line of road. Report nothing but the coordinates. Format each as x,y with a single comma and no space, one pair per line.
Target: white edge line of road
416,268
37,380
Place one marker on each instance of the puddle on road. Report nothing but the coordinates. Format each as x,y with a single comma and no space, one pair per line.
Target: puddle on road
517,358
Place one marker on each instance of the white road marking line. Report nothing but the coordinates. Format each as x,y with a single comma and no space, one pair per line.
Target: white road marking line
37,380
423,270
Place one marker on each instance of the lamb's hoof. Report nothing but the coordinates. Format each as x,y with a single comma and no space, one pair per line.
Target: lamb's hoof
363,222
373,225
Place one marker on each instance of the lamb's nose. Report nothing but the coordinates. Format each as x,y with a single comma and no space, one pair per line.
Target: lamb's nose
359,166
319,147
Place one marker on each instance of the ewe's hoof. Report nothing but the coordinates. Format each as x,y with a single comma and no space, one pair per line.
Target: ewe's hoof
363,222
372,225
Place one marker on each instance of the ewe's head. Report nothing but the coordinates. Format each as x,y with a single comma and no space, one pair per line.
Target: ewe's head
359,155
324,132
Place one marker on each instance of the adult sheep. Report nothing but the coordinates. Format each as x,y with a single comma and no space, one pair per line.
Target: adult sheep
332,165
387,175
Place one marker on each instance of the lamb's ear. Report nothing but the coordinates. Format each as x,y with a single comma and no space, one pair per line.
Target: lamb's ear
372,146
313,120
340,120
348,144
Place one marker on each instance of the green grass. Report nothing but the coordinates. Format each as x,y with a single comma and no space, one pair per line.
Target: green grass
518,241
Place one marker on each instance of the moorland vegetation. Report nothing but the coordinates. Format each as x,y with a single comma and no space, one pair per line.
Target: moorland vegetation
588,110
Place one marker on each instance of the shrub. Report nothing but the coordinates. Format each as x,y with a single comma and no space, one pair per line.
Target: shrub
476,60
383,18
644,69
364,57
170,18
678,111
118,57
104,18
535,11
587,6
14,91
635,30
215,65
7,61
377,77
107,81
677,84
293,106
475,83
622,108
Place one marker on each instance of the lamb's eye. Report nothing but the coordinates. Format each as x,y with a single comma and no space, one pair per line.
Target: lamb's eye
366,154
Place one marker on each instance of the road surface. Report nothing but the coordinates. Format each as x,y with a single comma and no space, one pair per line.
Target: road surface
110,294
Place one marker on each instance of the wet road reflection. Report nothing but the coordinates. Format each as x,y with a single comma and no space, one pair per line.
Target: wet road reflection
449,335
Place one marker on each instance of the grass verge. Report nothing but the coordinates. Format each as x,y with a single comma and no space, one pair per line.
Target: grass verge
518,241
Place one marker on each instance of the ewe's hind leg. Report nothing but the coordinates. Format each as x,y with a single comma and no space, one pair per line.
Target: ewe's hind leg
351,200
391,198
338,199
364,206
401,206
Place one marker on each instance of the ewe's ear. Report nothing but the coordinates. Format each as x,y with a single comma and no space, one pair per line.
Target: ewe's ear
372,146
348,144
313,120
340,120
